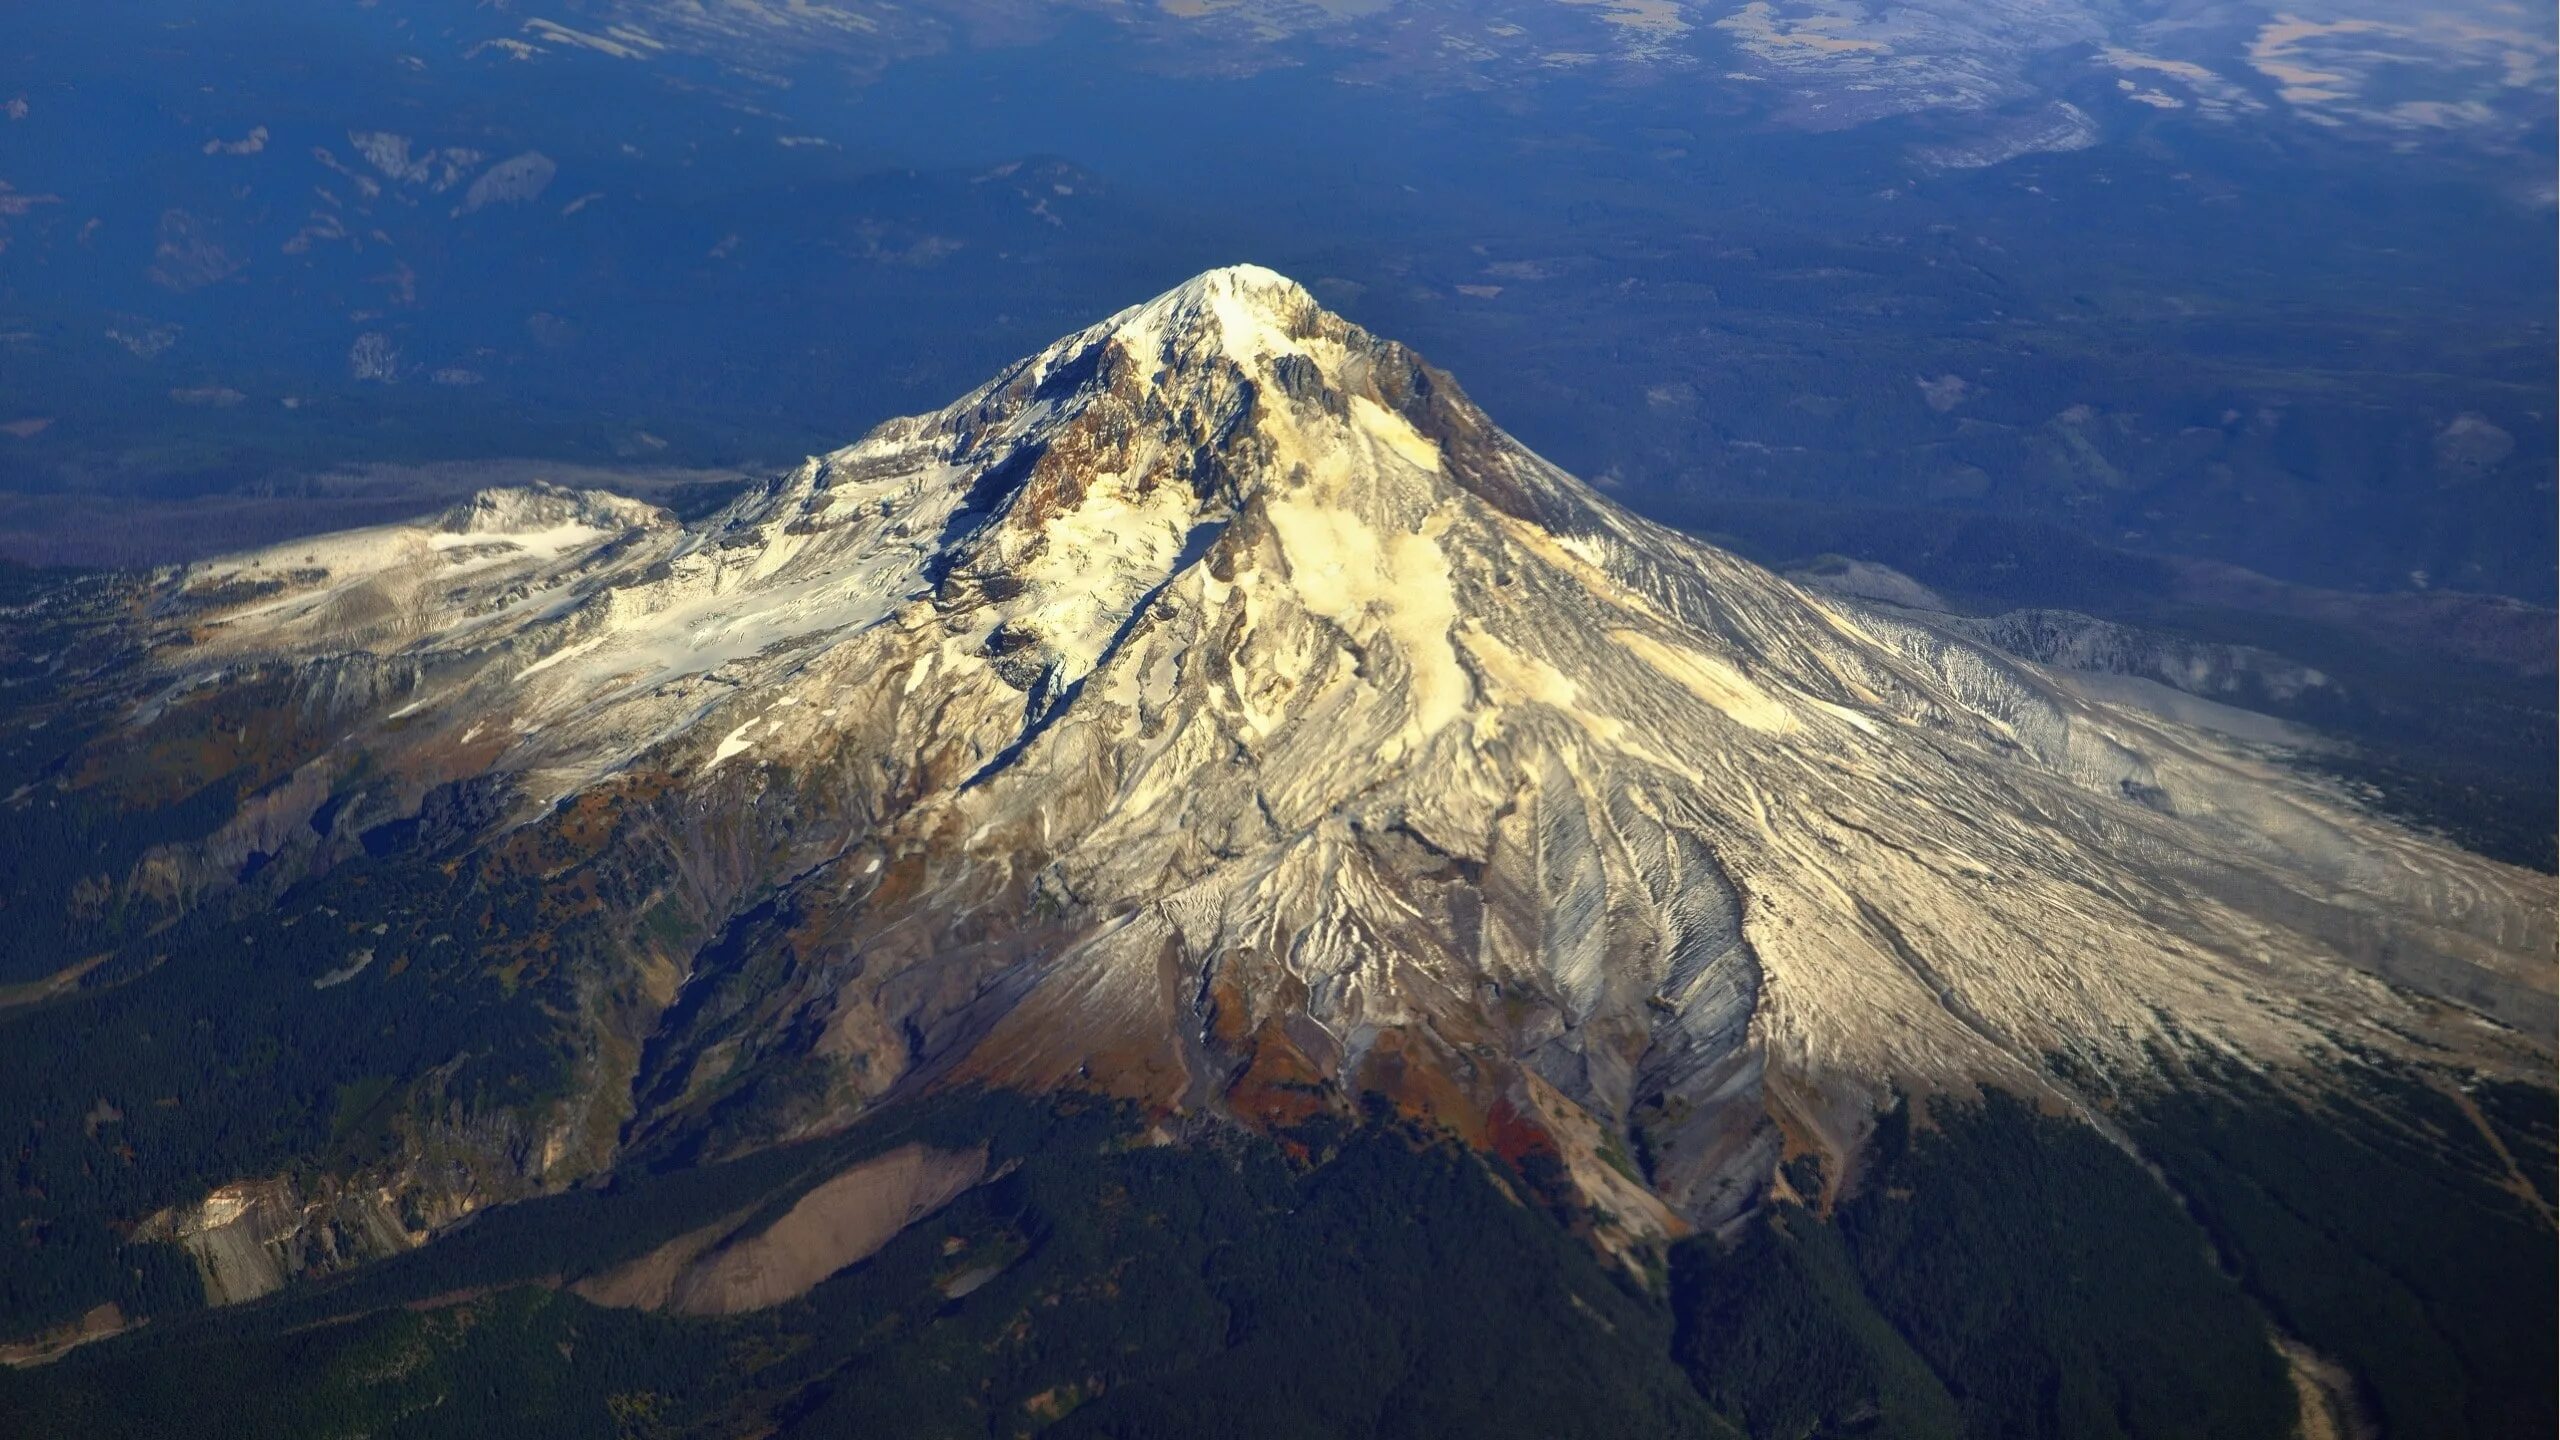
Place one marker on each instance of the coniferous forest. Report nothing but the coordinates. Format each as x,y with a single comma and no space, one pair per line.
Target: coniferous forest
1998,1273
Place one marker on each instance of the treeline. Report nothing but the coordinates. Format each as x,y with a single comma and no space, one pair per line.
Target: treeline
208,1052
2002,1274
1394,1286
1997,1274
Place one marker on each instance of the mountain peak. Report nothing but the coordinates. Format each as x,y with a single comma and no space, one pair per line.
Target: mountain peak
1246,313
1233,291
1244,283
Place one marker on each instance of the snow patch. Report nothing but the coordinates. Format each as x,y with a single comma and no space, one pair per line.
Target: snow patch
1711,680
1394,586
1396,433
570,652
733,743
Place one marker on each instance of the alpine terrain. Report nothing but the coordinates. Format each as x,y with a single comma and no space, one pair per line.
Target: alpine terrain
1205,767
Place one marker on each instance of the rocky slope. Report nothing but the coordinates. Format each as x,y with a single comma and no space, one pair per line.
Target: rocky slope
1217,710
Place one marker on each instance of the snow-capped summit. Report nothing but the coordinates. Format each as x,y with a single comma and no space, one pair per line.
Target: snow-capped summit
1243,310
1217,709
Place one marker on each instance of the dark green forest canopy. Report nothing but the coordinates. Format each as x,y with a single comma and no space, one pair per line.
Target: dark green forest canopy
1997,1273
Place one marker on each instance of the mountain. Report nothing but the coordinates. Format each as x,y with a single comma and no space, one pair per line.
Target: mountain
1216,714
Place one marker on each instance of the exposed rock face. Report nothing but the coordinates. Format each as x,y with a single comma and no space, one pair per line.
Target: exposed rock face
732,1267
1218,710
2068,640
99,1322
249,1238
253,1237
2073,641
